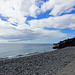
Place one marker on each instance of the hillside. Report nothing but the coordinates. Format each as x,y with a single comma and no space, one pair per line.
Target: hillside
65,43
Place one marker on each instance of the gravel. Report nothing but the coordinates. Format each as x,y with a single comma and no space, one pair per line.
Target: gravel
47,63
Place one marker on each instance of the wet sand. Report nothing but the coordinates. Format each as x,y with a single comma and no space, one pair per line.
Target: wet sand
48,63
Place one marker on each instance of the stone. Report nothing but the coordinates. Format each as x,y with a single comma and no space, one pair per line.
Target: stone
65,43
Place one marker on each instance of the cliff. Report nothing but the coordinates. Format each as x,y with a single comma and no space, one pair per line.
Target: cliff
65,43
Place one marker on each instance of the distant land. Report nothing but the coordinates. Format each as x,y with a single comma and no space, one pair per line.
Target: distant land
65,43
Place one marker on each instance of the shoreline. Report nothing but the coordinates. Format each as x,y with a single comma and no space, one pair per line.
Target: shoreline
12,51
47,63
26,55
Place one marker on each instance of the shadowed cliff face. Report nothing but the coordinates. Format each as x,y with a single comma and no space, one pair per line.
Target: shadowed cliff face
65,43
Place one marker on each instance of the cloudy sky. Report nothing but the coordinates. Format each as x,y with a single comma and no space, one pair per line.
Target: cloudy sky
36,21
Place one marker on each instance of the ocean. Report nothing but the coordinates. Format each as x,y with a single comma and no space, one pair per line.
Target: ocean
14,50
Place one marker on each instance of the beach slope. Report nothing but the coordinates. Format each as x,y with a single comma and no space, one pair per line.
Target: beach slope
48,63
68,70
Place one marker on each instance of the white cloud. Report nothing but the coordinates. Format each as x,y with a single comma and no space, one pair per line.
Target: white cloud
10,8
7,31
58,6
17,12
29,7
49,34
60,22
18,8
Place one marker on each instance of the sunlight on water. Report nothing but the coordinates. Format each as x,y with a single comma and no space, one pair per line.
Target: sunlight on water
13,50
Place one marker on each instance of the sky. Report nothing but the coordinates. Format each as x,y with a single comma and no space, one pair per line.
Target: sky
36,21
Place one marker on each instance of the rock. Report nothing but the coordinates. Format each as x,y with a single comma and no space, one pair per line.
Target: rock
47,63
65,43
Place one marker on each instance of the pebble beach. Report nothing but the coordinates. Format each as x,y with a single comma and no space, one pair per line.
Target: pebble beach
48,63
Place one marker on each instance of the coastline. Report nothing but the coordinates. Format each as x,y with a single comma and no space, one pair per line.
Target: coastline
47,63
26,55
17,50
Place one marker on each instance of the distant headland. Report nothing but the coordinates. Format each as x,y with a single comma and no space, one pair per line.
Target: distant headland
65,43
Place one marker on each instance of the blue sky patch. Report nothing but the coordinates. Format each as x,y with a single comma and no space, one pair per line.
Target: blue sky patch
4,18
40,16
68,31
50,28
72,12
14,24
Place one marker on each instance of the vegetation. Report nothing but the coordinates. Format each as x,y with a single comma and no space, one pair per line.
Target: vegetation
65,43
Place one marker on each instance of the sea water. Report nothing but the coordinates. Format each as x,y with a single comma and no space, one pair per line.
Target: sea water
20,49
